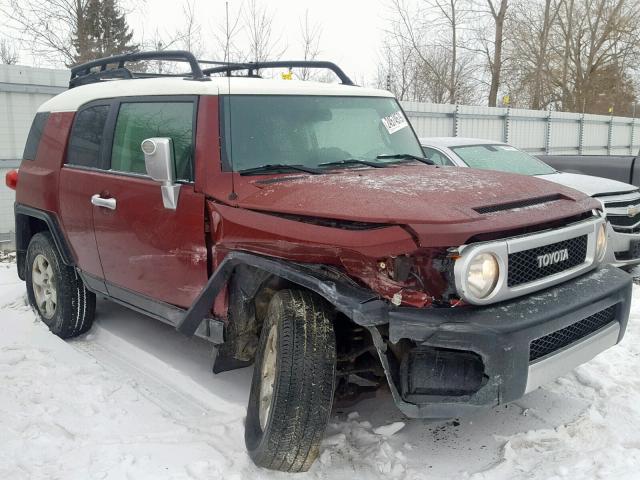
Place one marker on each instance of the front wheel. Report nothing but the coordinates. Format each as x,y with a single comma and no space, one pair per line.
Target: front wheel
293,383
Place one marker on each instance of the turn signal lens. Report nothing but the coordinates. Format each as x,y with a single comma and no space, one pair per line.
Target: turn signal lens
148,147
11,179
482,275
601,242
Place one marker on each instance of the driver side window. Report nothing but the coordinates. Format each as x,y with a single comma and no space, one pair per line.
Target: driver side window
137,121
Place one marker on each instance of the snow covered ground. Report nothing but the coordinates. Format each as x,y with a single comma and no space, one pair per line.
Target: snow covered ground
133,399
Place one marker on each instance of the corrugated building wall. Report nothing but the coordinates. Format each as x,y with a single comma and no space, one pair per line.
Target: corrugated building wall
22,91
536,131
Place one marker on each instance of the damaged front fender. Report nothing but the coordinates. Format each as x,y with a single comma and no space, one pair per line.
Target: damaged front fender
359,304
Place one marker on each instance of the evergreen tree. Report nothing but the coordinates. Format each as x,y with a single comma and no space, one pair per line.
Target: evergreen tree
102,32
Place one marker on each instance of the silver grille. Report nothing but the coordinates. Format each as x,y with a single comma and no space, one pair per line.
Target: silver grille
524,268
623,211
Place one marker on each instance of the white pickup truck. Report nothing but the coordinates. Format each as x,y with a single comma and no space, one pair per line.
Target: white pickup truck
621,201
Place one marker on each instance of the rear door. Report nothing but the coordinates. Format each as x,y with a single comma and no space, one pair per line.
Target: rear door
149,252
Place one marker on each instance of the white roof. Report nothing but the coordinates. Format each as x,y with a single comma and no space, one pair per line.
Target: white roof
456,141
72,99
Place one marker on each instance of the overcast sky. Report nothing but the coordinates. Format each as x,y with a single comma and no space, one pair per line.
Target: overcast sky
352,30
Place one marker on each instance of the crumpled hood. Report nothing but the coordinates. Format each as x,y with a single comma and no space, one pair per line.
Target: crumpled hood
412,194
589,184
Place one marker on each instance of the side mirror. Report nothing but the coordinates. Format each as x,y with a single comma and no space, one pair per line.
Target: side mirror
158,160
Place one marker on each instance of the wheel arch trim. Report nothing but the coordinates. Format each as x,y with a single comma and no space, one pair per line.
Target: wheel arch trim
358,303
23,234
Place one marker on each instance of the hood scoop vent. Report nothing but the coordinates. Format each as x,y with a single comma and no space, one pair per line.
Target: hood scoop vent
530,202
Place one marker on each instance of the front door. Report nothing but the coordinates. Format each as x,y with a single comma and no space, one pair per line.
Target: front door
145,248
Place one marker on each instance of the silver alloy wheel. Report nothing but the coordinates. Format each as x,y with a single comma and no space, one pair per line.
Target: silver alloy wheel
44,286
268,376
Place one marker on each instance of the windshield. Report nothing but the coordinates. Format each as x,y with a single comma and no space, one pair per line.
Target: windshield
310,131
504,158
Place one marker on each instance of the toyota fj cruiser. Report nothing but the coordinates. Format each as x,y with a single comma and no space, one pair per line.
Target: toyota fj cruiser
297,225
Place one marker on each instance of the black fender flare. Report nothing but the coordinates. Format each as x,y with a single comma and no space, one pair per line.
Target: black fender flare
359,304
23,234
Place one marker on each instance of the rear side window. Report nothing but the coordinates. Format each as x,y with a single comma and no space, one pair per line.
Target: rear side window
33,140
137,121
437,157
86,136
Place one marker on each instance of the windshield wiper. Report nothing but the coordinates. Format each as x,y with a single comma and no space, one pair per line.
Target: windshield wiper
352,161
408,156
279,167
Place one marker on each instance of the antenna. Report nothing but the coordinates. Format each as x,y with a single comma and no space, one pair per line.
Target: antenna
233,195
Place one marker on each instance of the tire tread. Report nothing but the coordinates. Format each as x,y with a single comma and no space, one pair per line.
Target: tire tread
304,385
76,305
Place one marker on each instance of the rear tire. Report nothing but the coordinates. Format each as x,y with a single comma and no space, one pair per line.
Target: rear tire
295,365
56,291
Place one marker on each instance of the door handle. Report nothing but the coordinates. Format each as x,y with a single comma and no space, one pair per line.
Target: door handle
98,201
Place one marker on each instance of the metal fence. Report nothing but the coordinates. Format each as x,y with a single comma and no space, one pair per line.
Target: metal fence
535,131
24,89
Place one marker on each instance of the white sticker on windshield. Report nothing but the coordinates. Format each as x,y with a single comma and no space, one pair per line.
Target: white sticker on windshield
395,122
508,148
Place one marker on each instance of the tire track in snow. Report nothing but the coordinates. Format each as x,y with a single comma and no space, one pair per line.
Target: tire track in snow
152,378
170,400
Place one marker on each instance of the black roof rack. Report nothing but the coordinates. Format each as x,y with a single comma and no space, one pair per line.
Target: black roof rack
83,74
87,72
253,67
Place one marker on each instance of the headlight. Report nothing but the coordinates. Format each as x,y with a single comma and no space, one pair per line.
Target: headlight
601,242
482,275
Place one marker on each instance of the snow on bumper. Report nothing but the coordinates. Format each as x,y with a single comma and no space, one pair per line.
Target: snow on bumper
520,343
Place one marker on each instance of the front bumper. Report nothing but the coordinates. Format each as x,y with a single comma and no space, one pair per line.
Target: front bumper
501,336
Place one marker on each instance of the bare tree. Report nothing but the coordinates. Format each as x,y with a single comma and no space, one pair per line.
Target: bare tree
566,25
190,33
541,53
433,29
263,41
429,84
49,27
397,69
575,55
530,49
8,54
498,11
488,43
310,34
69,31
160,40
186,37
225,36
452,13
602,43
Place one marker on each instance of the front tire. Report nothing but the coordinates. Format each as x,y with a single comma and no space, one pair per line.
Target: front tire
293,383
55,291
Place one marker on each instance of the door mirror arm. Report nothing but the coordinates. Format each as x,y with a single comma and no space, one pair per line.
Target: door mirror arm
159,162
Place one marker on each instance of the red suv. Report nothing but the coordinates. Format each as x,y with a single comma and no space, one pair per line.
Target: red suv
297,226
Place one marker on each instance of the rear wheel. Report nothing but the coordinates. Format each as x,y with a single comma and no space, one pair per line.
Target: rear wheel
56,291
293,383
